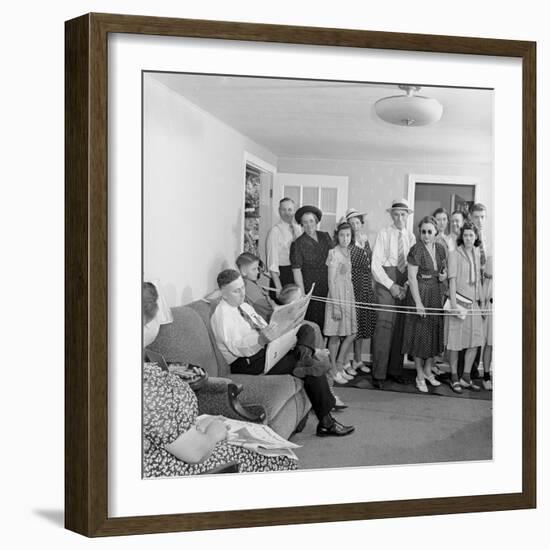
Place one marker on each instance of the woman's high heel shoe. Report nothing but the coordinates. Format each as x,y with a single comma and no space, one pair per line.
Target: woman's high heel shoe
351,370
432,380
339,378
421,385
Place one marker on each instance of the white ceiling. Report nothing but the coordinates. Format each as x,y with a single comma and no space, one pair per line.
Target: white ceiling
336,120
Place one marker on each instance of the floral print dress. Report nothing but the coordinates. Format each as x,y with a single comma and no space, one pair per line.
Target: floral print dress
169,409
342,294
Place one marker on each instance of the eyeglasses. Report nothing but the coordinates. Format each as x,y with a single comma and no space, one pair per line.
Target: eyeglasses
426,232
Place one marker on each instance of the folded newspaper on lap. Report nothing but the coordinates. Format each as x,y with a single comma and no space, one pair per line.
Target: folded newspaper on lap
256,437
286,320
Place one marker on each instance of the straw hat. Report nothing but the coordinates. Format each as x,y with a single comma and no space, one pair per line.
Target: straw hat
353,213
400,204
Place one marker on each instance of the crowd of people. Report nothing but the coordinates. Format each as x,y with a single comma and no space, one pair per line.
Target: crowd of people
428,299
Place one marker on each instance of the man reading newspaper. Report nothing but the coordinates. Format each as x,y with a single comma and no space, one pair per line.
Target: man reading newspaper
242,337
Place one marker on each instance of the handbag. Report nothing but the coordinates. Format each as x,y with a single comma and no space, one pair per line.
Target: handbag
463,304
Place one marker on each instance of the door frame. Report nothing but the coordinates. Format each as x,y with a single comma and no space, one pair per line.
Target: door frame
413,179
249,159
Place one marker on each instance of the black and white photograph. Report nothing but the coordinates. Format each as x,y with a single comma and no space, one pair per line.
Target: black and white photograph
317,274
252,247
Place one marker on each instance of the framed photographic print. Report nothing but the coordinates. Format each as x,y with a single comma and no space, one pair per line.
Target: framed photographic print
281,247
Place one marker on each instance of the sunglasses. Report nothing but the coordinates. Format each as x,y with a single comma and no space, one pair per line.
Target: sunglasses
427,232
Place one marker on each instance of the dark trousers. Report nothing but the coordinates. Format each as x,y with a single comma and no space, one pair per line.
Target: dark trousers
286,277
316,387
387,339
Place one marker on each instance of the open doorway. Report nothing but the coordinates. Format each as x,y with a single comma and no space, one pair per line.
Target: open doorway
258,210
449,193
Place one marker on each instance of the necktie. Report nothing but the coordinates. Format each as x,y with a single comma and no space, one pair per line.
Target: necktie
250,320
401,261
293,231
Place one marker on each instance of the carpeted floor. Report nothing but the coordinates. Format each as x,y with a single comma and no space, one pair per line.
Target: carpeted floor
364,382
400,428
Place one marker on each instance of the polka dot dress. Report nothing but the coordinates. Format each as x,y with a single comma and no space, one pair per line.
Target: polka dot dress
362,287
423,337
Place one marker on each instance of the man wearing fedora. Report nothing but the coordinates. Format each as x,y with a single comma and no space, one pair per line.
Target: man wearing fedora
389,270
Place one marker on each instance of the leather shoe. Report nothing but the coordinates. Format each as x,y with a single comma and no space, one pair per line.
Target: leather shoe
334,429
339,408
398,379
378,384
310,367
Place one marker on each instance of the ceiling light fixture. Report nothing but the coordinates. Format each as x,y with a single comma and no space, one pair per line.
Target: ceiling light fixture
409,109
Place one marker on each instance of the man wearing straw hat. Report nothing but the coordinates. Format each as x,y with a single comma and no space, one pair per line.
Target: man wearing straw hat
389,270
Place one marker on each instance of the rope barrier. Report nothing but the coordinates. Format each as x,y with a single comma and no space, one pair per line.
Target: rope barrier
396,308
386,308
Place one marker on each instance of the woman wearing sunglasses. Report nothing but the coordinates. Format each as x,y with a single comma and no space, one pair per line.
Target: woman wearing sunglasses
423,336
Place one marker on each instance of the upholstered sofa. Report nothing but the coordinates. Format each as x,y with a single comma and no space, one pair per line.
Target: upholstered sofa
189,338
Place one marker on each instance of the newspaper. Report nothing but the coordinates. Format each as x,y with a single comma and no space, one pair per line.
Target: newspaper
290,316
286,320
256,437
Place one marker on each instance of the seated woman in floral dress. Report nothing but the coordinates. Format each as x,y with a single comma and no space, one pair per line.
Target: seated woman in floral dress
173,444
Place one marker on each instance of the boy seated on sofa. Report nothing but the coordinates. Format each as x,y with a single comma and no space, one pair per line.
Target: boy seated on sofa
255,295
249,267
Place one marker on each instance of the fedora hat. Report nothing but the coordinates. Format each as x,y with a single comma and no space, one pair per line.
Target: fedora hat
400,204
353,213
305,209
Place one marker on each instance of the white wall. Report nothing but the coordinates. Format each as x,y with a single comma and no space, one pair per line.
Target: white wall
193,190
193,193
32,250
373,185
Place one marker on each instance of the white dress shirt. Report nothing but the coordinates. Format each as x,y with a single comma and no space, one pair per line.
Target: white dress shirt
385,252
278,243
488,268
487,245
234,336
451,243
